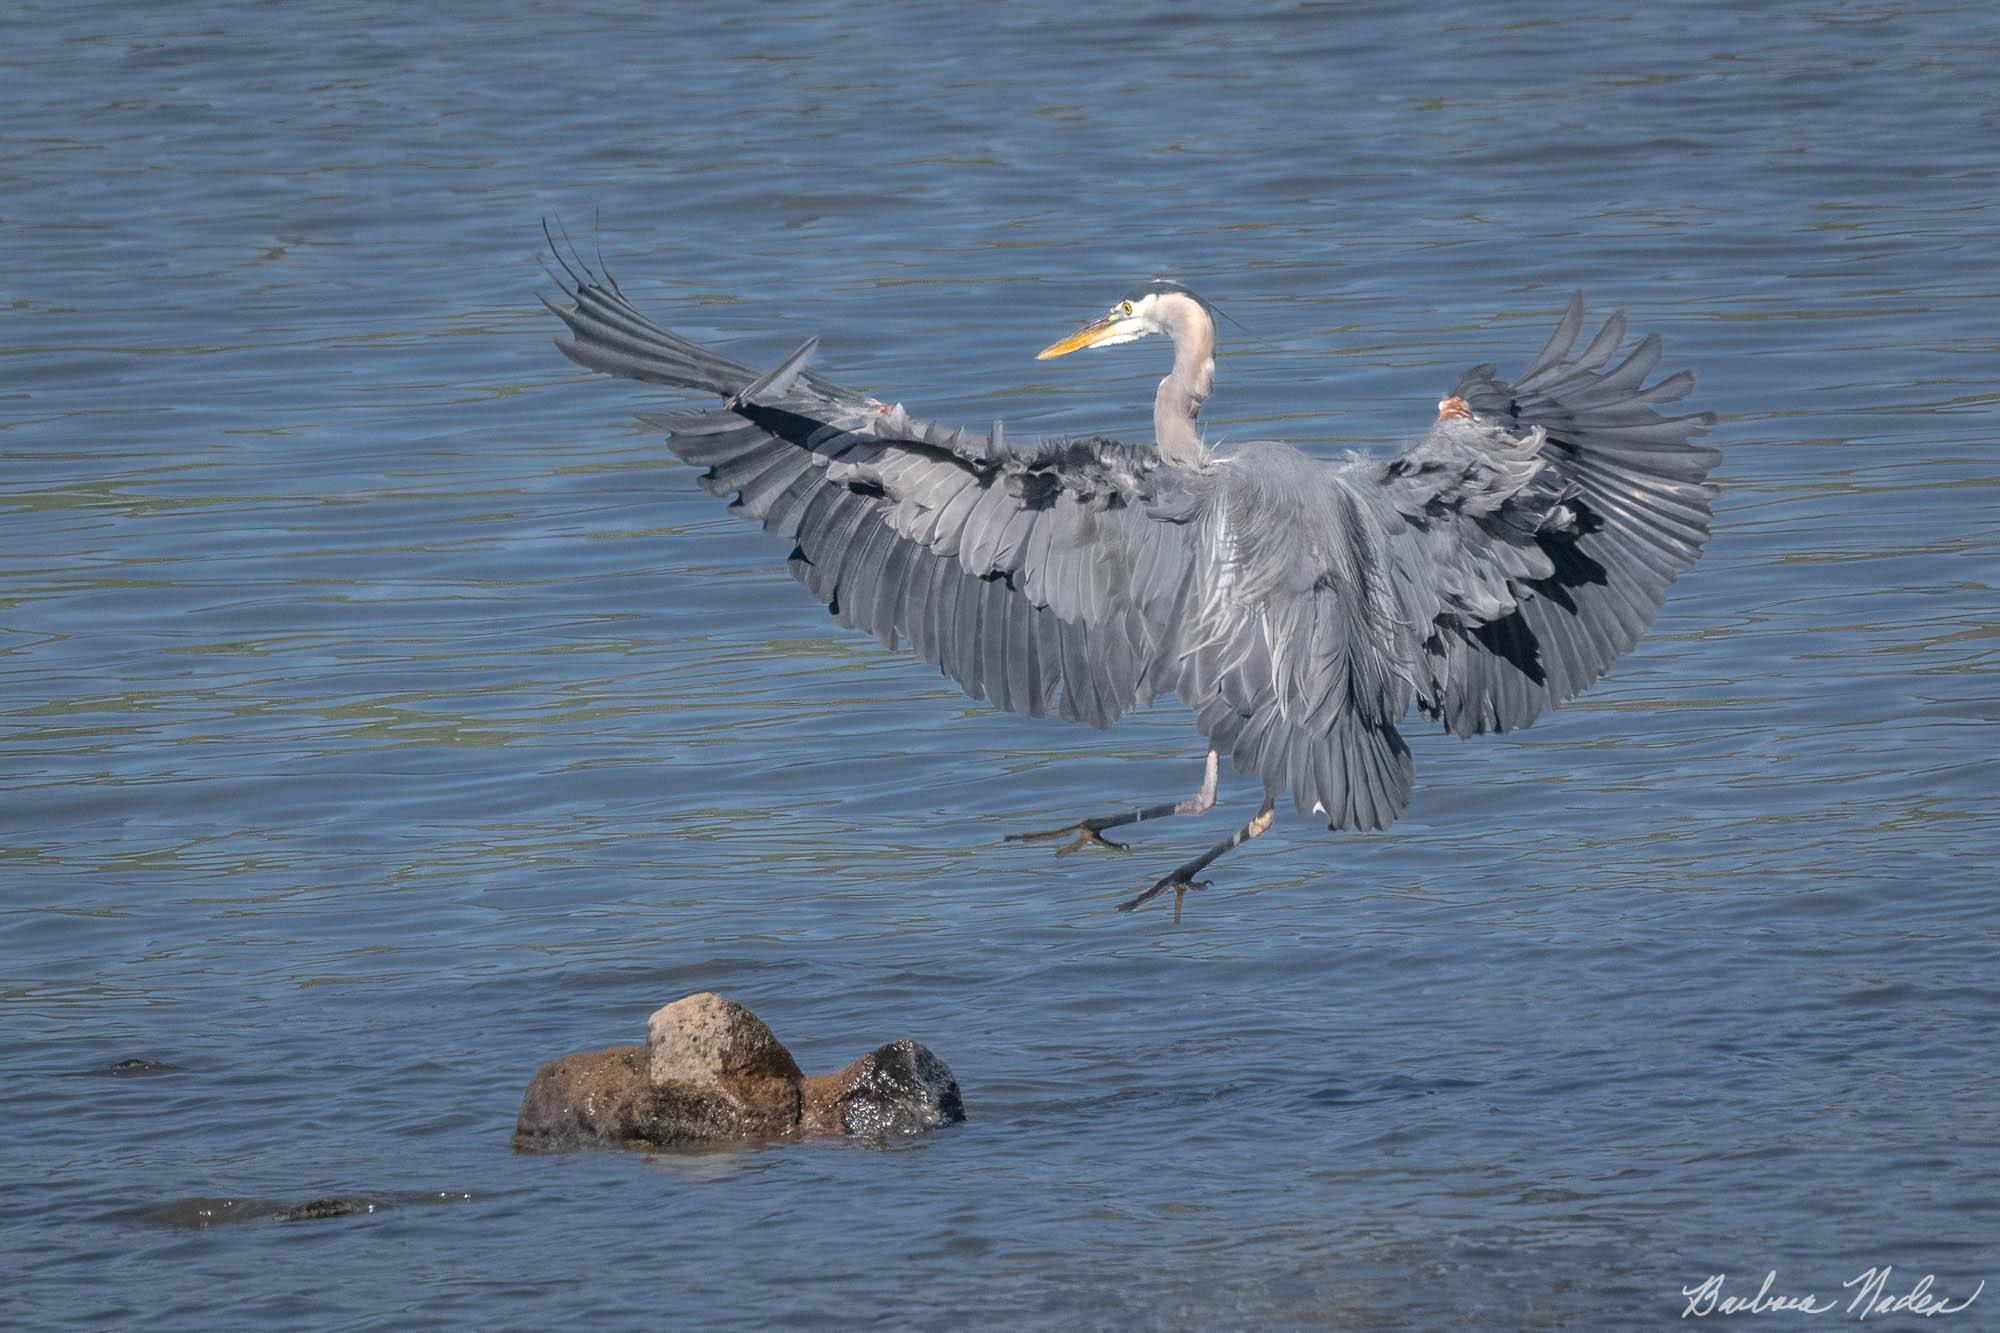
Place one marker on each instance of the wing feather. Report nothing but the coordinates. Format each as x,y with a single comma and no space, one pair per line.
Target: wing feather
1615,506
920,614
993,673
964,647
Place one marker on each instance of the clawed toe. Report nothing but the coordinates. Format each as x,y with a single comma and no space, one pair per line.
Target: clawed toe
1178,882
1084,834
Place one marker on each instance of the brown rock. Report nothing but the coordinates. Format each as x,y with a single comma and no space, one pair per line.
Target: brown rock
900,1088
711,1072
602,1097
605,1098
705,1048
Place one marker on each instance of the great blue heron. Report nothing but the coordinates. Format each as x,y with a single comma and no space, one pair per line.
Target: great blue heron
1487,573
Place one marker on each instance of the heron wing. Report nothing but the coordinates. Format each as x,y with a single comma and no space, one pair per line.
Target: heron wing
1535,540
1032,573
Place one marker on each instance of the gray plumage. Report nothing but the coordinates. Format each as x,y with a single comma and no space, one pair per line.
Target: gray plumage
1487,573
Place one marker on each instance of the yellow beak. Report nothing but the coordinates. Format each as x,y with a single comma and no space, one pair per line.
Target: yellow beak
1084,337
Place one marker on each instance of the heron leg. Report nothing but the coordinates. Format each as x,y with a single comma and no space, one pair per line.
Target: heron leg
1183,878
1088,831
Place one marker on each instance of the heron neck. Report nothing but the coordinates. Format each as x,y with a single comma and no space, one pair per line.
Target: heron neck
1186,387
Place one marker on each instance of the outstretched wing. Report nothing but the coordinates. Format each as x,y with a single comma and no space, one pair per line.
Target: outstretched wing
1037,574
1538,527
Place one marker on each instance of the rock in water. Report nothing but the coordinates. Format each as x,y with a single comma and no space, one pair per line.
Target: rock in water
318,1210
900,1088
579,1100
137,1069
715,1053
711,1072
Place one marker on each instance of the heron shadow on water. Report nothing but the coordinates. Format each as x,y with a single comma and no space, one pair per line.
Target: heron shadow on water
1485,574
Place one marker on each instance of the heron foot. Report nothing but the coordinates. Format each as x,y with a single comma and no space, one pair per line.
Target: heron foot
1181,882
1085,833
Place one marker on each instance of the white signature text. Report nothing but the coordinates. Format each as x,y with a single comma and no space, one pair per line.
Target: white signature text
1871,1296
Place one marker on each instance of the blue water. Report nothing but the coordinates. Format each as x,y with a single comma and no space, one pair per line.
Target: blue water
383,712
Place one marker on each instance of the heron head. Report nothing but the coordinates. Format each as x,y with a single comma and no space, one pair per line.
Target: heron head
1151,307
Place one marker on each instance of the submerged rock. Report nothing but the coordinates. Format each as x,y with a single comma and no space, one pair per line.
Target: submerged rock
137,1069
319,1210
711,1072
199,1214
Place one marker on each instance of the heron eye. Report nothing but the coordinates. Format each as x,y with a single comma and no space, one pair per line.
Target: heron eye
1127,307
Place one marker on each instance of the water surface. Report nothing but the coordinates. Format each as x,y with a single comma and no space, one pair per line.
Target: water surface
383,712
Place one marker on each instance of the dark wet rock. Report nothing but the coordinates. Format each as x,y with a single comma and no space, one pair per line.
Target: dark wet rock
199,1214
137,1069
711,1072
319,1209
900,1088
